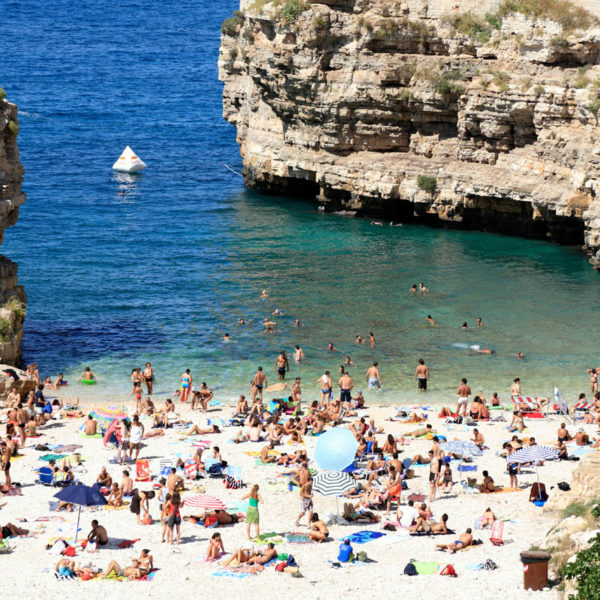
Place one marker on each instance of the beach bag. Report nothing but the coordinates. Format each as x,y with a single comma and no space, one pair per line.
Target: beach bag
410,569
281,566
564,486
69,551
448,570
291,561
362,557
490,565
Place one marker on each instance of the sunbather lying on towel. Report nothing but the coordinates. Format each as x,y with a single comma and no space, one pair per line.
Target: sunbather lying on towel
464,539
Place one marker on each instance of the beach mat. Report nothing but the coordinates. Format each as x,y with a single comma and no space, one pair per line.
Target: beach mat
425,568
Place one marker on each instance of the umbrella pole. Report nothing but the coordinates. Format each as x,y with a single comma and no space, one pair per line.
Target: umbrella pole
77,528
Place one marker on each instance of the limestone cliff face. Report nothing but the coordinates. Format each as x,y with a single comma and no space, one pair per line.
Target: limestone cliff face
12,295
377,106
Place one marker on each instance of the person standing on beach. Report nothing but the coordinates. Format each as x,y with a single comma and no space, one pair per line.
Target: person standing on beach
186,384
252,516
434,474
281,365
325,382
149,377
515,388
422,375
345,384
463,392
306,501
256,385
374,377
136,434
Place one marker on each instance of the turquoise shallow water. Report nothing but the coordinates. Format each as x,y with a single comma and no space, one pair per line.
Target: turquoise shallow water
161,273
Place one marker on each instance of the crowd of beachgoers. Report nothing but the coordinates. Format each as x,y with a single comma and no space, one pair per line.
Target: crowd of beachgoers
248,490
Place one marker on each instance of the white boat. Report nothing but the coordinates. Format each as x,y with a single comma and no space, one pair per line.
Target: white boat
129,162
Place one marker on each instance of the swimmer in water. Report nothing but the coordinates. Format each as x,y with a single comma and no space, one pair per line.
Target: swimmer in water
332,348
264,294
349,362
464,326
377,223
298,353
430,320
269,325
242,322
226,338
479,322
422,288
413,288
88,375
371,339
359,340
276,312
520,355
297,323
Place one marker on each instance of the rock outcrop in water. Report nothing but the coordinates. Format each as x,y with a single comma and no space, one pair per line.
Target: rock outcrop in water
485,119
12,295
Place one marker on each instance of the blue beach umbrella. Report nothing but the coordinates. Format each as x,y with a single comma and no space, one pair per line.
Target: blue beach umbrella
82,495
335,450
464,448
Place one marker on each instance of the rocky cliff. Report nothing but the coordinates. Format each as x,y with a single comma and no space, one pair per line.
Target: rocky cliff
484,119
12,295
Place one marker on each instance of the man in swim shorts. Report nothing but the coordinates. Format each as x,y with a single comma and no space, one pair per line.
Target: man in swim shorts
422,375
346,384
463,392
464,539
281,365
256,385
373,377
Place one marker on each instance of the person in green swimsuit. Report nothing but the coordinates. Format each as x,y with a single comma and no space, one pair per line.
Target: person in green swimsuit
252,517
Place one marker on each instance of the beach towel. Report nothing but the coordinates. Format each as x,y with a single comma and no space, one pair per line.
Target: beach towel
298,537
425,568
362,537
142,470
122,507
233,574
54,457
128,543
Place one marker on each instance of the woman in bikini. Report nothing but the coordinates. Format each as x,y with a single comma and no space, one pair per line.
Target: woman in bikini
149,377
215,548
186,384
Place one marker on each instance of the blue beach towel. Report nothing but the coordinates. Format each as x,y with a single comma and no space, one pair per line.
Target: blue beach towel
362,537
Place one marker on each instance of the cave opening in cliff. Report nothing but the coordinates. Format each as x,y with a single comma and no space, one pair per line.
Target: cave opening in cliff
513,217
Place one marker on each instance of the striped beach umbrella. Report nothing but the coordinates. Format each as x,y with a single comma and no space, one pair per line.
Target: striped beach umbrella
533,454
530,454
333,483
204,501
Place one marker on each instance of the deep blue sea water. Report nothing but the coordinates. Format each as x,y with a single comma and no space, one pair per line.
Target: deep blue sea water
162,272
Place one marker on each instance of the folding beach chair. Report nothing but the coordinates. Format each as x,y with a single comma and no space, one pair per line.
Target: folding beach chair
45,476
233,477
497,533
142,470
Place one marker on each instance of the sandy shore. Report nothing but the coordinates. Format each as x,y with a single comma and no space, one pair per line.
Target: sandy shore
29,569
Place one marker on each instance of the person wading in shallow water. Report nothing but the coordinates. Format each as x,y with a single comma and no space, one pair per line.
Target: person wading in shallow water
281,365
422,375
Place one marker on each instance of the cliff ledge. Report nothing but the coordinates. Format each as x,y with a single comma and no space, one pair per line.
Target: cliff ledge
12,295
478,115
